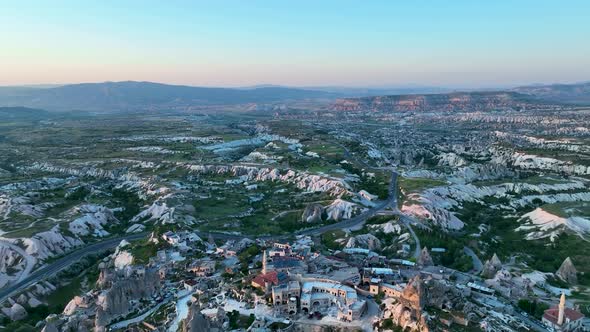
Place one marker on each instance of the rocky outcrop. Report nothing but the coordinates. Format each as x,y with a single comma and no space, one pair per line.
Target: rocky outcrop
491,267
15,312
115,301
157,212
451,159
403,317
541,224
93,220
12,262
123,259
78,323
425,259
367,241
568,272
435,204
388,227
50,327
129,180
258,140
313,213
340,209
118,293
50,243
195,321
533,162
421,294
302,180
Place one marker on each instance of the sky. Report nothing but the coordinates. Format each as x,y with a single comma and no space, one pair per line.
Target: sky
389,43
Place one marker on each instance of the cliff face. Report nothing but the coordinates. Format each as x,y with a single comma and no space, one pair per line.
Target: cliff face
312,213
422,294
425,259
119,292
367,241
460,101
491,267
195,321
567,272
304,181
115,300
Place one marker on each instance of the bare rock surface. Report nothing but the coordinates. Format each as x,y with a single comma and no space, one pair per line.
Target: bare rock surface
568,272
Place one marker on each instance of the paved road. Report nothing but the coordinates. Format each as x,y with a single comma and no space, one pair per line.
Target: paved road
534,324
407,222
30,261
390,202
64,262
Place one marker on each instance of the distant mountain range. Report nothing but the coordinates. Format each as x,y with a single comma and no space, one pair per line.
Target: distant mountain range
22,113
578,93
130,95
570,94
146,95
456,101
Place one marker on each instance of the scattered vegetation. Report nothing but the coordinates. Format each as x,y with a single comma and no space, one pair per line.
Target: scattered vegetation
533,308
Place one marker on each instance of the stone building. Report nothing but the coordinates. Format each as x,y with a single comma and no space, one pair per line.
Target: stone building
561,318
319,295
286,297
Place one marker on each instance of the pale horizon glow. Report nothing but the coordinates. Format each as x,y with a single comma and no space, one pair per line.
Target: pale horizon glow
304,43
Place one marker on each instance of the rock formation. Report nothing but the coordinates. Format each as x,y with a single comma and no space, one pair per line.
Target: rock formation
312,213
367,241
119,291
49,327
139,284
491,267
425,259
340,209
16,312
302,180
195,321
567,272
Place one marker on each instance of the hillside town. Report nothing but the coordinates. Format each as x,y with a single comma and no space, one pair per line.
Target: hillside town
196,284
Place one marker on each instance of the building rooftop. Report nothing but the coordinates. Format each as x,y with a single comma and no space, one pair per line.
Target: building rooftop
272,277
553,314
308,287
380,270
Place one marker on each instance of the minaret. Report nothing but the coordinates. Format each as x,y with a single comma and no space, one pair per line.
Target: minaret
264,261
561,309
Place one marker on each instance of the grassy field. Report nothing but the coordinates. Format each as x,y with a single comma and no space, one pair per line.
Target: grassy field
542,255
416,185
409,186
328,239
568,209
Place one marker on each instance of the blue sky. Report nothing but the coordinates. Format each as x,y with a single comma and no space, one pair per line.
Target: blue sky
303,43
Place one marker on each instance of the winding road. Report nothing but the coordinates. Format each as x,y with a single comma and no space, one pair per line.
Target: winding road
53,268
30,261
62,263
390,202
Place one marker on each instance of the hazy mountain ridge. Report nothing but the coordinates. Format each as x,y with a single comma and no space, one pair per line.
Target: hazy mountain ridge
131,95
146,95
22,113
423,102
578,93
571,94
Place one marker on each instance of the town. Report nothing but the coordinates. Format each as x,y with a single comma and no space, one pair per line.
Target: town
265,285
